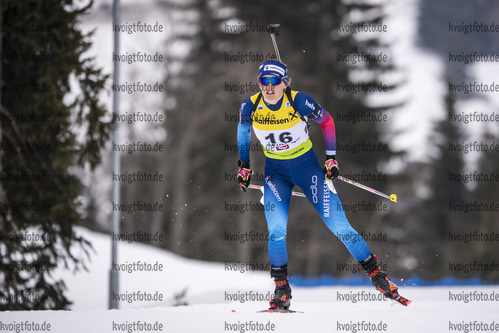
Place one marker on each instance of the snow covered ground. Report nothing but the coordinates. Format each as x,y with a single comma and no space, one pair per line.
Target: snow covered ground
222,300
430,312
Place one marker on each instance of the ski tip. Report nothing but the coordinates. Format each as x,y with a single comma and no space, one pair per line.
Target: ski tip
401,300
406,302
393,198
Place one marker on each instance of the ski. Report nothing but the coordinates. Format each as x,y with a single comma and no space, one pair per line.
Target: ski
278,310
400,299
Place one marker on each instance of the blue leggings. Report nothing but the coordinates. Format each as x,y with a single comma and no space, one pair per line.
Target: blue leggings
304,171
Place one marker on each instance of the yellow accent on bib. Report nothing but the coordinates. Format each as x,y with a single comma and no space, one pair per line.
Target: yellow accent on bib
282,133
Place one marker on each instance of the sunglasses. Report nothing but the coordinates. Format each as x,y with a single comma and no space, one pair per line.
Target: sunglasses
274,80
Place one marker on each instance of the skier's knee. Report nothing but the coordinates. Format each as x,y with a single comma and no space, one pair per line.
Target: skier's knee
277,234
346,234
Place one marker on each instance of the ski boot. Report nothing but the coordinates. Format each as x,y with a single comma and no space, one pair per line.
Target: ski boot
381,281
282,293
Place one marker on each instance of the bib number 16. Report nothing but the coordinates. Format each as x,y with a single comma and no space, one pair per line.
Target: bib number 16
284,137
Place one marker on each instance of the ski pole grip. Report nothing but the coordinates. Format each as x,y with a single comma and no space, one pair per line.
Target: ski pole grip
273,29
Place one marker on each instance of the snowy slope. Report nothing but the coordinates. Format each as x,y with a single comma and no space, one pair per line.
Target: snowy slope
203,281
210,285
427,315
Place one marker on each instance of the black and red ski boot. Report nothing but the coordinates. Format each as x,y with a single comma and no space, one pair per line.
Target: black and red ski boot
282,293
381,281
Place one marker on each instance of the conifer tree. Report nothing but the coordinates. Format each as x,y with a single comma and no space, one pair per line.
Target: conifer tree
436,217
52,123
196,132
484,223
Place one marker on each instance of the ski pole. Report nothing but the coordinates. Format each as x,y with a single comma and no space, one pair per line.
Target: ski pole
392,197
329,183
260,187
297,194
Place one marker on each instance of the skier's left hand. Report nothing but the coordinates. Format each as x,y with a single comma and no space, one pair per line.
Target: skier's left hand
331,167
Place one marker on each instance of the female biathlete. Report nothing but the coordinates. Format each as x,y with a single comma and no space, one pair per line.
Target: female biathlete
279,117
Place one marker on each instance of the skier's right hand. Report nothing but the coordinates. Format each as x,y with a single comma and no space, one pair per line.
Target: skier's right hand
331,167
243,175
